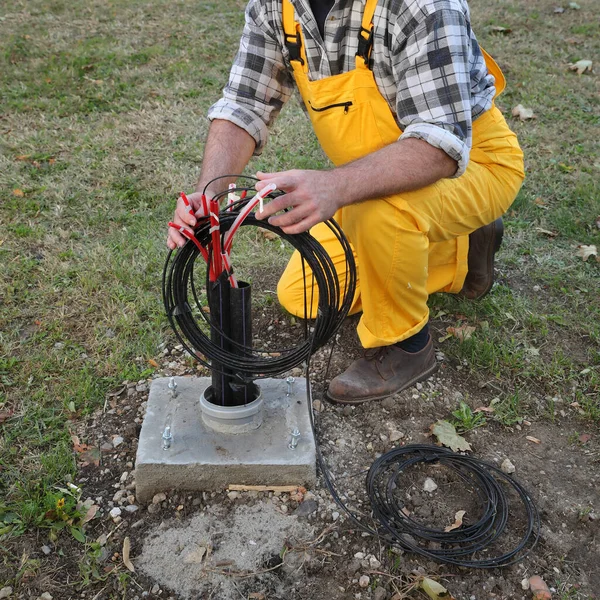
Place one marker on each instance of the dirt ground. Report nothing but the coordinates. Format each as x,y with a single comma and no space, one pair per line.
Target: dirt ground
266,545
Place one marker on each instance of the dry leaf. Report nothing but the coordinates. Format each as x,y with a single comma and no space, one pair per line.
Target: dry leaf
126,549
581,66
584,438
90,456
269,235
462,333
77,445
195,556
90,514
551,234
5,415
539,589
586,251
500,29
435,590
153,363
523,113
18,193
458,521
256,596
486,409
445,432
533,439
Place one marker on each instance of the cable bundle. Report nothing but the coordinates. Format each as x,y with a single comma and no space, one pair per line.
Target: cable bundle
459,546
183,305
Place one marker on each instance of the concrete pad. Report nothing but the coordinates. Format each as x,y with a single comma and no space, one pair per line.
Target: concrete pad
201,459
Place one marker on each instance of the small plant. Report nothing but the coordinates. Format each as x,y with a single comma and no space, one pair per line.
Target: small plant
466,420
507,411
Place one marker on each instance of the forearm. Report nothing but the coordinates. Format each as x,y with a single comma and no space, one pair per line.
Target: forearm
314,196
227,151
403,166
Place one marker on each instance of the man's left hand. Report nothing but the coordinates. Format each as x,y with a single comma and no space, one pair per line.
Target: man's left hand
311,196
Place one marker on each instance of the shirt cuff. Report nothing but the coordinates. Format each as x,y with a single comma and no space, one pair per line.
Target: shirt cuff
441,138
241,116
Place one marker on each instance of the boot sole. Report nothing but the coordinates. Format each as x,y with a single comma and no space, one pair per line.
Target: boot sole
422,377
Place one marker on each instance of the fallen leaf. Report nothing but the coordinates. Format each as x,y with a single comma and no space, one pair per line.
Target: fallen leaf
23,157
195,556
153,363
533,439
18,193
90,514
486,409
77,445
269,235
500,29
462,333
126,549
90,457
458,521
584,438
586,251
539,589
5,415
445,432
551,234
523,113
435,590
256,596
581,66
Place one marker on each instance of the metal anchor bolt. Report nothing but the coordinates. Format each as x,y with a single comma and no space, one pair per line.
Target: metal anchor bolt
294,439
173,387
167,438
290,385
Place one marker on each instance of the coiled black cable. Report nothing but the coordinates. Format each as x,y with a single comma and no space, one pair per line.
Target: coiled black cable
192,325
462,546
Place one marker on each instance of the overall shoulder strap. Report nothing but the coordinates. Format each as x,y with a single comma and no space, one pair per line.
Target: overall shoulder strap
291,32
365,36
494,70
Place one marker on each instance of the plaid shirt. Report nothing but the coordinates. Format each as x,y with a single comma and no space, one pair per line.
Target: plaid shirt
426,62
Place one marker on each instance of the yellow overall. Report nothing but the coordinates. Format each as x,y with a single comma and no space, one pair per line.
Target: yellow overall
409,245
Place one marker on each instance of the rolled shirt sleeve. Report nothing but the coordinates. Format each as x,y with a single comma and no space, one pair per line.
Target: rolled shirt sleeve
431,68
259,83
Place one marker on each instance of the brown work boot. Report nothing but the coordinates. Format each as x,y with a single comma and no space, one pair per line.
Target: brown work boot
382,372
483,245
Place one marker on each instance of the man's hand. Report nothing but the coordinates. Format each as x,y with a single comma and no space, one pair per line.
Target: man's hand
183,217
312,196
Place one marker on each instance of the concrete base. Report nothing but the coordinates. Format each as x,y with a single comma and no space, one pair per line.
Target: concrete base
202,459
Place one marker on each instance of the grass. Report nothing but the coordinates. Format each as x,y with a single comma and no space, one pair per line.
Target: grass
102,122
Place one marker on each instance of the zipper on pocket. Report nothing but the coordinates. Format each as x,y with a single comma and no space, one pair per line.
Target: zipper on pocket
346,106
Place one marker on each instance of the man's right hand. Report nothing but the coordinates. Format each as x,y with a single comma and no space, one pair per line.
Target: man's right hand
183,217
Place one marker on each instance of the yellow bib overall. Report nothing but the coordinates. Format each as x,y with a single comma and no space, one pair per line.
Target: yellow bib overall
409,245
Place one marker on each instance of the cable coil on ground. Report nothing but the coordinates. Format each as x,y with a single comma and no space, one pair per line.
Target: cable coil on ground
462,546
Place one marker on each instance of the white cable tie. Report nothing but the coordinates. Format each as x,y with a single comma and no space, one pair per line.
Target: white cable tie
270,188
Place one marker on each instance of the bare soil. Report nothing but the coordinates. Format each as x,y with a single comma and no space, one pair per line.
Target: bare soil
324,556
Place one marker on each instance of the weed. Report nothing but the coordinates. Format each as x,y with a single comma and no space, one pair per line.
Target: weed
466,420
508,410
